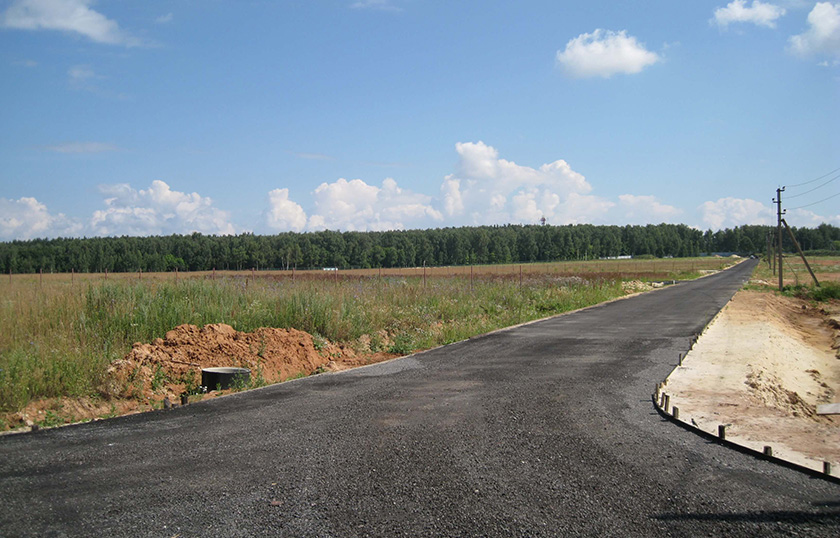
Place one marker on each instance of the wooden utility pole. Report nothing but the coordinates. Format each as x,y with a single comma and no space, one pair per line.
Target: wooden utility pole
801,254
769,251
778,202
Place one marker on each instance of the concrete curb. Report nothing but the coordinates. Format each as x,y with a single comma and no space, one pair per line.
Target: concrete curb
662,403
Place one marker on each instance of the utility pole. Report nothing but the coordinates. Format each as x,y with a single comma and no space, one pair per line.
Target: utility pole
778,202
769,250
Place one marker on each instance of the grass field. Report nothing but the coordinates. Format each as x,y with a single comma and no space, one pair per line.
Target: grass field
61,331
797,280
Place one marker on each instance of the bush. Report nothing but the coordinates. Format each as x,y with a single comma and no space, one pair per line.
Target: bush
825,292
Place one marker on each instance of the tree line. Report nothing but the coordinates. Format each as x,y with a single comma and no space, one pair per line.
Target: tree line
401,248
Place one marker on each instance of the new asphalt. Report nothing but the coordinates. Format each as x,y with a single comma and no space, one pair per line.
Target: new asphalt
547,429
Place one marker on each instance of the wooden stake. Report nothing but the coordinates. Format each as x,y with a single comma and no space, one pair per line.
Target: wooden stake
722,431
768,451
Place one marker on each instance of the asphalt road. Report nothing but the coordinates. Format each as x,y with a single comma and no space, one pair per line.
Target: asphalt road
543,430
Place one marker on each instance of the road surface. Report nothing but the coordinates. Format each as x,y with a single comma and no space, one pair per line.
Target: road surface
543,430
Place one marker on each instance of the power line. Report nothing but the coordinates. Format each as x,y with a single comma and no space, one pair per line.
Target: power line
821,185
815,203
813,180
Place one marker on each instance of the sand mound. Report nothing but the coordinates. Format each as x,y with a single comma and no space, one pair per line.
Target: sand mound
762,367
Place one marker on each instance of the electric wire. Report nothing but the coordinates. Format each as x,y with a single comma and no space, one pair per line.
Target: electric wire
813,180
815,203
821,185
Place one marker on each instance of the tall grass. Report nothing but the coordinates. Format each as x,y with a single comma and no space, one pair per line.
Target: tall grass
59,338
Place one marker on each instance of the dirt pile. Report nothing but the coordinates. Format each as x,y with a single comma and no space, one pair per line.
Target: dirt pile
171,366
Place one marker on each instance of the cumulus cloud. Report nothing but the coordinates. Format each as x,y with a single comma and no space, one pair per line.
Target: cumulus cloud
27,218
758,13
823,34
284,214
74,16
645,209
604,53
157,211
729,212
355,205
804,217
82,147
487,189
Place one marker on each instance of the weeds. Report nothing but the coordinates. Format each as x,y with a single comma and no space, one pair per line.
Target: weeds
59,339
159,378
824,292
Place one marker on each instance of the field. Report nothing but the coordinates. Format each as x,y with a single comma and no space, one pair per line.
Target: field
65,332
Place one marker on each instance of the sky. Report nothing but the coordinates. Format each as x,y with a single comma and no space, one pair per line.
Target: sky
226,117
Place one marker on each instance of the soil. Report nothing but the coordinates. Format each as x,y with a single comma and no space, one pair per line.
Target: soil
761,368
153,374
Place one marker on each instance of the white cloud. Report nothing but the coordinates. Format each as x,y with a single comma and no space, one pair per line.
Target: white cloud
823,33
27,218
804,217
645,209
729,212
758,13
284,214
82,147
84,78
603,53
165,19
73,16
157,211
381,5
355,205
489,190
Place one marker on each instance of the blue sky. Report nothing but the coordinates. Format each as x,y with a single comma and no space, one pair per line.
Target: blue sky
146,118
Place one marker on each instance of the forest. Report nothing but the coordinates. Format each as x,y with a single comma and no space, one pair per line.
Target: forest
401,248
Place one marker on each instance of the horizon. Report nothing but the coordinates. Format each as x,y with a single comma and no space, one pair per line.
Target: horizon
372,115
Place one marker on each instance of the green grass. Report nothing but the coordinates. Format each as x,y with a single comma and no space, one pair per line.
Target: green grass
60,337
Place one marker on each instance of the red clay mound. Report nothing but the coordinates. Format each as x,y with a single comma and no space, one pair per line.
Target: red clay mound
171,366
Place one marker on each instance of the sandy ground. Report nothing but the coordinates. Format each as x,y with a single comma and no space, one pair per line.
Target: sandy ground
761,368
